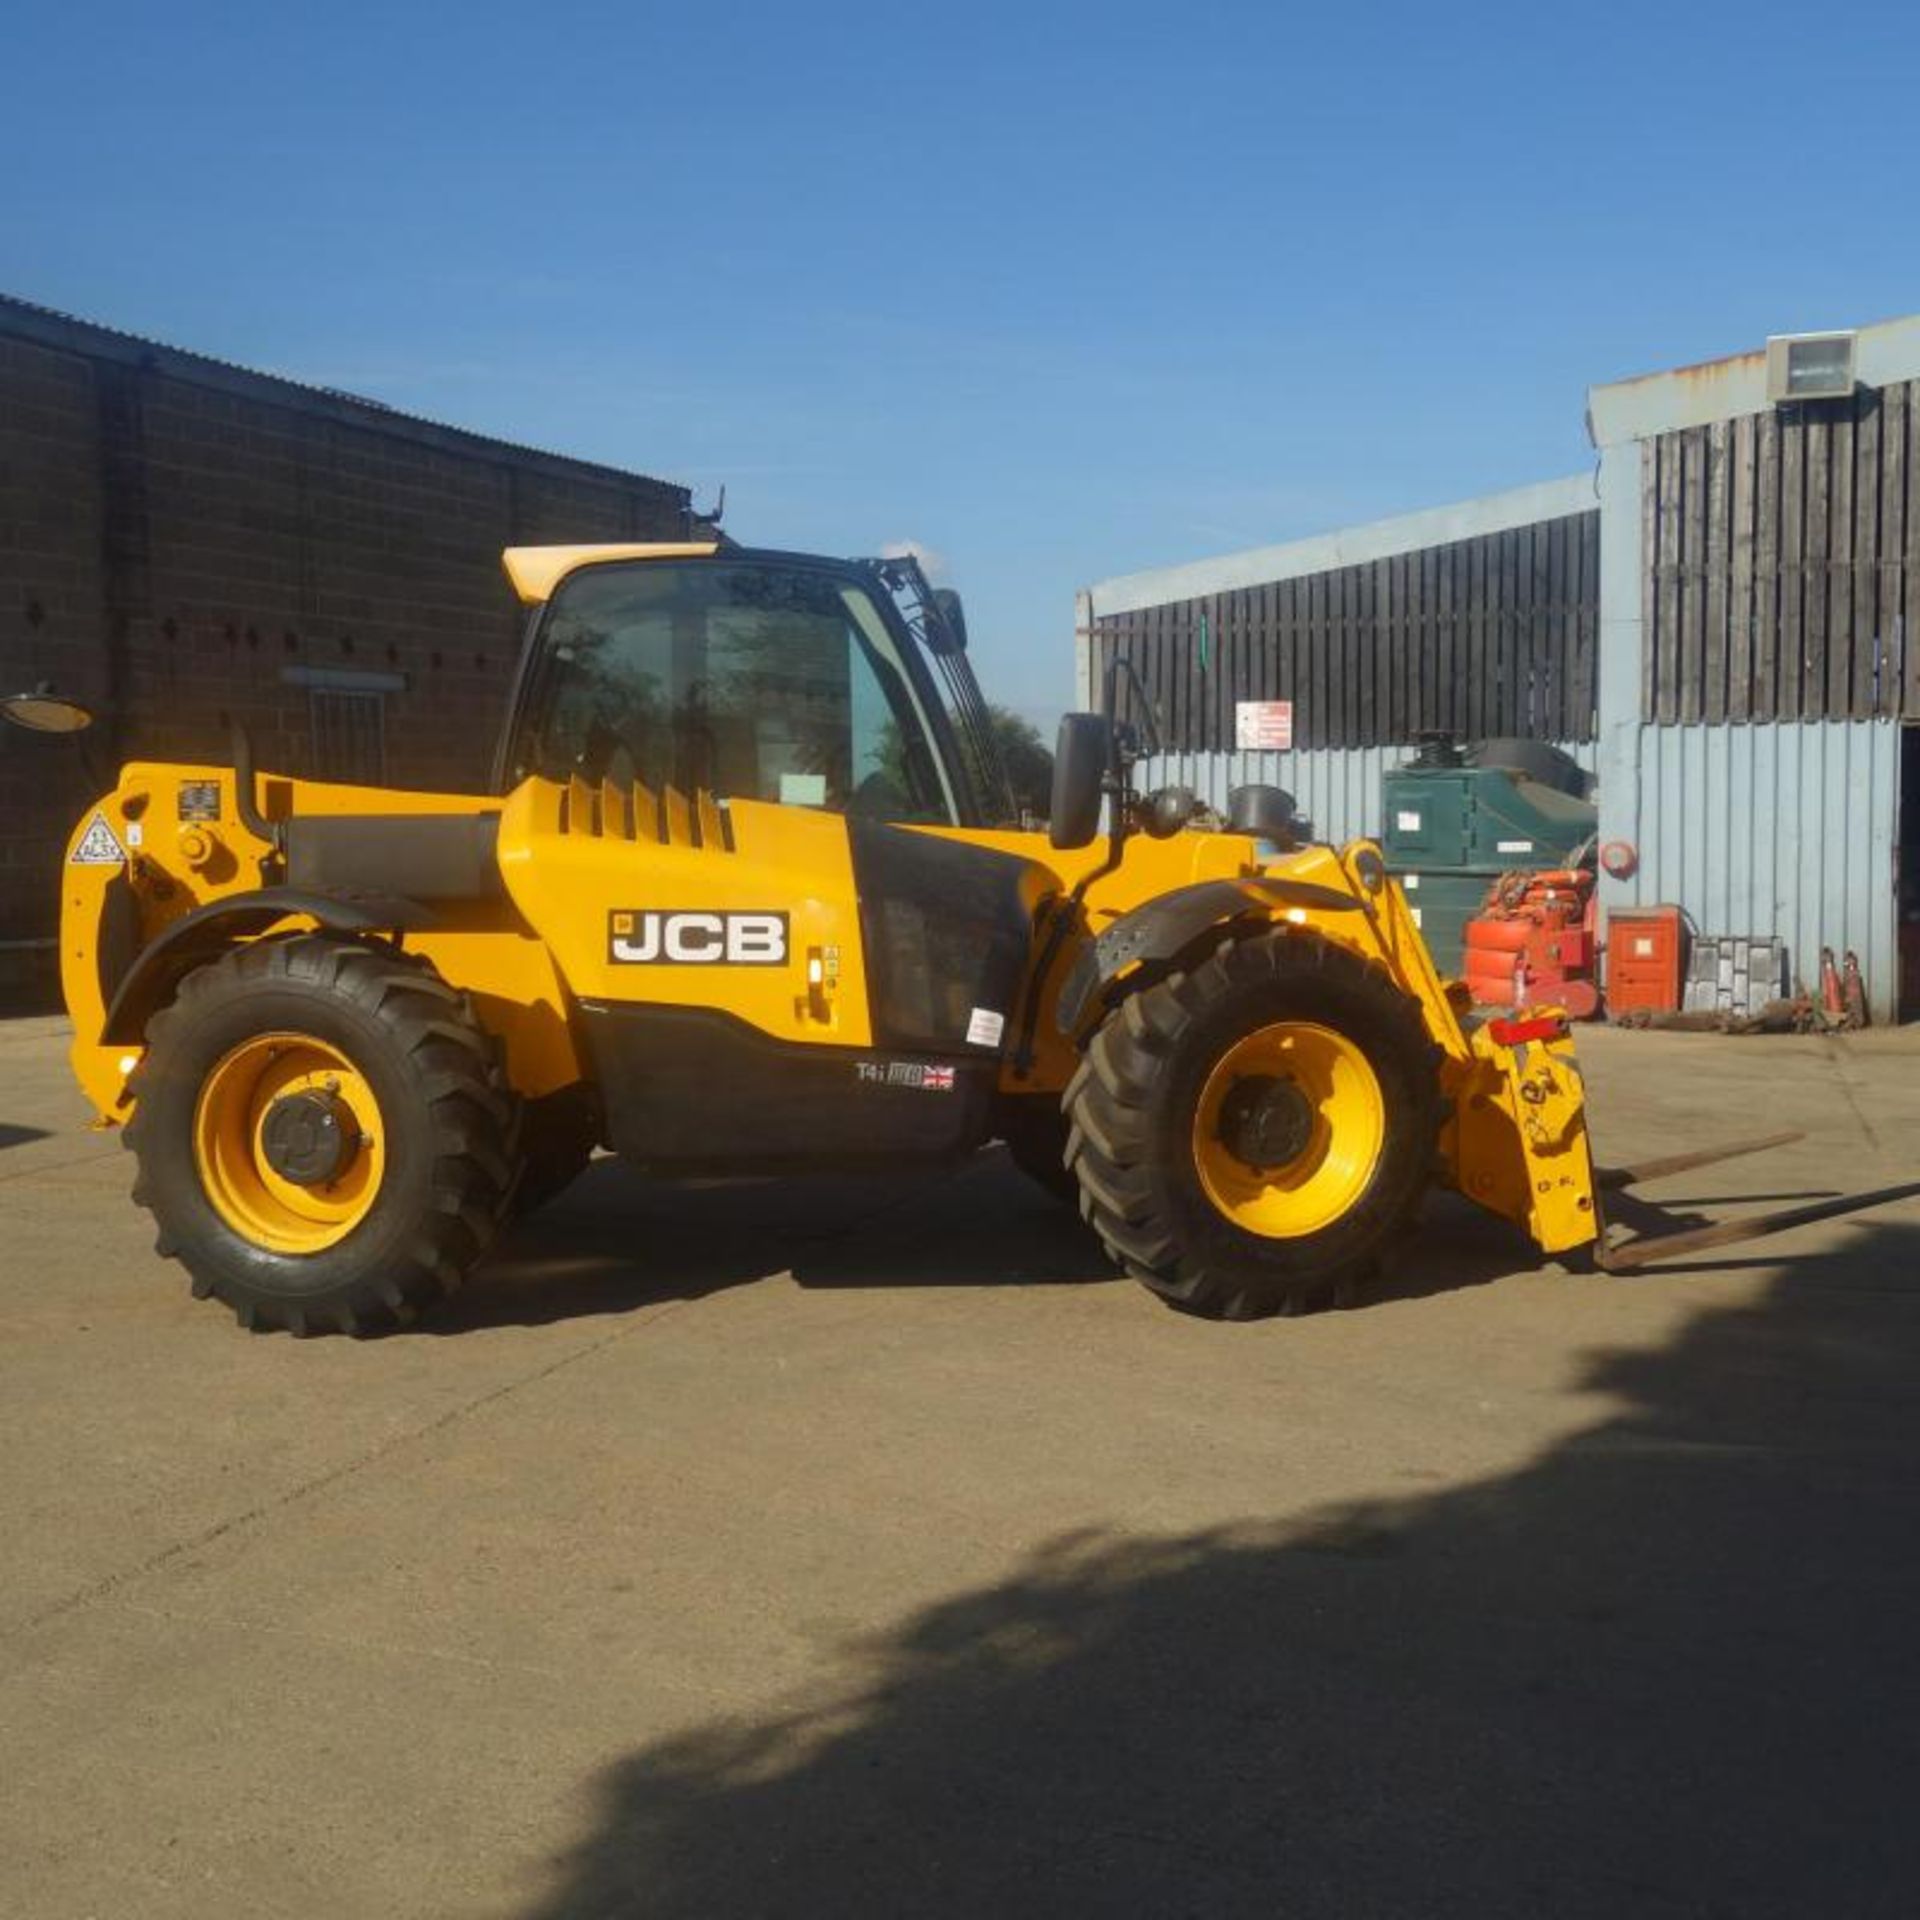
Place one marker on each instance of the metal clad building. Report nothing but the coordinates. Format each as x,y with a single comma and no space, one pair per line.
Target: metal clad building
1721,623
1760,674
1480,619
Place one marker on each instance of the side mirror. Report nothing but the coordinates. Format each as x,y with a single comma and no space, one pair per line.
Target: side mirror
44,712
953,617
1082,753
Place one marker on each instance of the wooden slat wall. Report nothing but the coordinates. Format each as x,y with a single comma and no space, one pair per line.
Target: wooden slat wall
1486,637
1783,565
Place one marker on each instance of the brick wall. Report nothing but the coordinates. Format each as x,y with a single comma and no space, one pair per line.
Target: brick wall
184,543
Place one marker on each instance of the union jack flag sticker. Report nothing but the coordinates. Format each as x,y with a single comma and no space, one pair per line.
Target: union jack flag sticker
937,1079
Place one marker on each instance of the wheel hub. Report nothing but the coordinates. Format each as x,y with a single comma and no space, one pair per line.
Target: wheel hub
1266,1121
309,1137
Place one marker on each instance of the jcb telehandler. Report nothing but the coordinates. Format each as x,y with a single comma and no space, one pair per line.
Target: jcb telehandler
749,894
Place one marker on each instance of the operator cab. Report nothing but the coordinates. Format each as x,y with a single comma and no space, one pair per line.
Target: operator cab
740,687
753,675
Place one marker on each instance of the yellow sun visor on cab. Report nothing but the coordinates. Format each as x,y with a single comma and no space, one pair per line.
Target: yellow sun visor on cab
536,571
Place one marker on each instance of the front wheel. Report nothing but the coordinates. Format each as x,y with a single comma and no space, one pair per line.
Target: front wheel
1248,1136
323,1137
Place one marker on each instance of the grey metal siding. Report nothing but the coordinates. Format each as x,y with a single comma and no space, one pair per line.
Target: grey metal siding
1337,788
1784,829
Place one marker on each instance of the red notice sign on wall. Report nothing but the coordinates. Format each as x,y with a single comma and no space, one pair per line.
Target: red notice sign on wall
1263,725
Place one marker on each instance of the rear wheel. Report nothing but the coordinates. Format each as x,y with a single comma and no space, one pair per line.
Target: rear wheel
1249,1135
324,1140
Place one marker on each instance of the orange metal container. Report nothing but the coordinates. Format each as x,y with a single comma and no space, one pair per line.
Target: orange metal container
1646,959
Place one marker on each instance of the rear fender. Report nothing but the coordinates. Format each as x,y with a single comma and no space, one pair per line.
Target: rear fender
509,976
149,981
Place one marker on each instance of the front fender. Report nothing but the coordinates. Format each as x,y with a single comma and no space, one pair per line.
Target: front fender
1165,927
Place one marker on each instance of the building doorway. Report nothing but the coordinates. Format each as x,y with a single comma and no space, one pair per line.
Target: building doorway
1907,901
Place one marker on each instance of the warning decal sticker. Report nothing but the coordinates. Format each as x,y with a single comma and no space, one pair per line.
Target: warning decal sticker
98,847
985,1027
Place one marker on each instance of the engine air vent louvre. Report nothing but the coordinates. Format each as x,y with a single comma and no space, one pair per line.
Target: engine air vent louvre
616,810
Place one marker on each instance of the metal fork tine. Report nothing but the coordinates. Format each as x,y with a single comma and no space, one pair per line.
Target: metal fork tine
1730,1233
1614,1177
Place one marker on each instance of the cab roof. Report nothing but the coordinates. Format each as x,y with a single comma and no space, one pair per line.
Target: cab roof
536,571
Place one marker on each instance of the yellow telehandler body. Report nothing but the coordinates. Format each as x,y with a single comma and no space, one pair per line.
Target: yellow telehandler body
749,894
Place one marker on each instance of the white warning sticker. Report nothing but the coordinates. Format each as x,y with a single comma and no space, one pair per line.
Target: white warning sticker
98,847
986,1027
1513,846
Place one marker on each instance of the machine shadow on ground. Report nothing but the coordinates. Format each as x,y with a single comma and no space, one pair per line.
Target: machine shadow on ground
1665,1668
618,1241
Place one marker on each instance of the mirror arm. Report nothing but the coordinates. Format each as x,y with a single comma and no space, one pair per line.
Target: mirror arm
1066,908
1066,912
1121,753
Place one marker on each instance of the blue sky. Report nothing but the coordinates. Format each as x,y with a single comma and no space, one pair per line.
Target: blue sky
1057,292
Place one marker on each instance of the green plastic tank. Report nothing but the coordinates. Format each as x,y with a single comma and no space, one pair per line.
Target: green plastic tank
1443,900
1429,816
1457,819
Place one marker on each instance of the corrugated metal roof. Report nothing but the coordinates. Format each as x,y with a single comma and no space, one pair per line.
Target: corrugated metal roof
1348,546
46,323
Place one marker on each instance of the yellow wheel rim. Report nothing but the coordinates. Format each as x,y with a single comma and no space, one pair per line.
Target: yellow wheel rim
249,1194
1335,1132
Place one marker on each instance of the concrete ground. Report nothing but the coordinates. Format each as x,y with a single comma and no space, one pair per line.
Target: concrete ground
861,1548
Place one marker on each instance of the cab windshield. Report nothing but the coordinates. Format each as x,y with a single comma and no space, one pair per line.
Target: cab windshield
754,680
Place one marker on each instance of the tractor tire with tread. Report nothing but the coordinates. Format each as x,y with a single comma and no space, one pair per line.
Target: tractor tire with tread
1133,1103
448,1124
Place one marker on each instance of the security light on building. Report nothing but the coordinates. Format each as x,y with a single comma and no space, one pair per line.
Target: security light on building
1809,366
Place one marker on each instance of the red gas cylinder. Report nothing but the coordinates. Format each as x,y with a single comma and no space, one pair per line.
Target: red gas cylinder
1532,943
1488,935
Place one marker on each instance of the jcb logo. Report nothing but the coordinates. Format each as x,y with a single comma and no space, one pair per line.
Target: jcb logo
649,939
